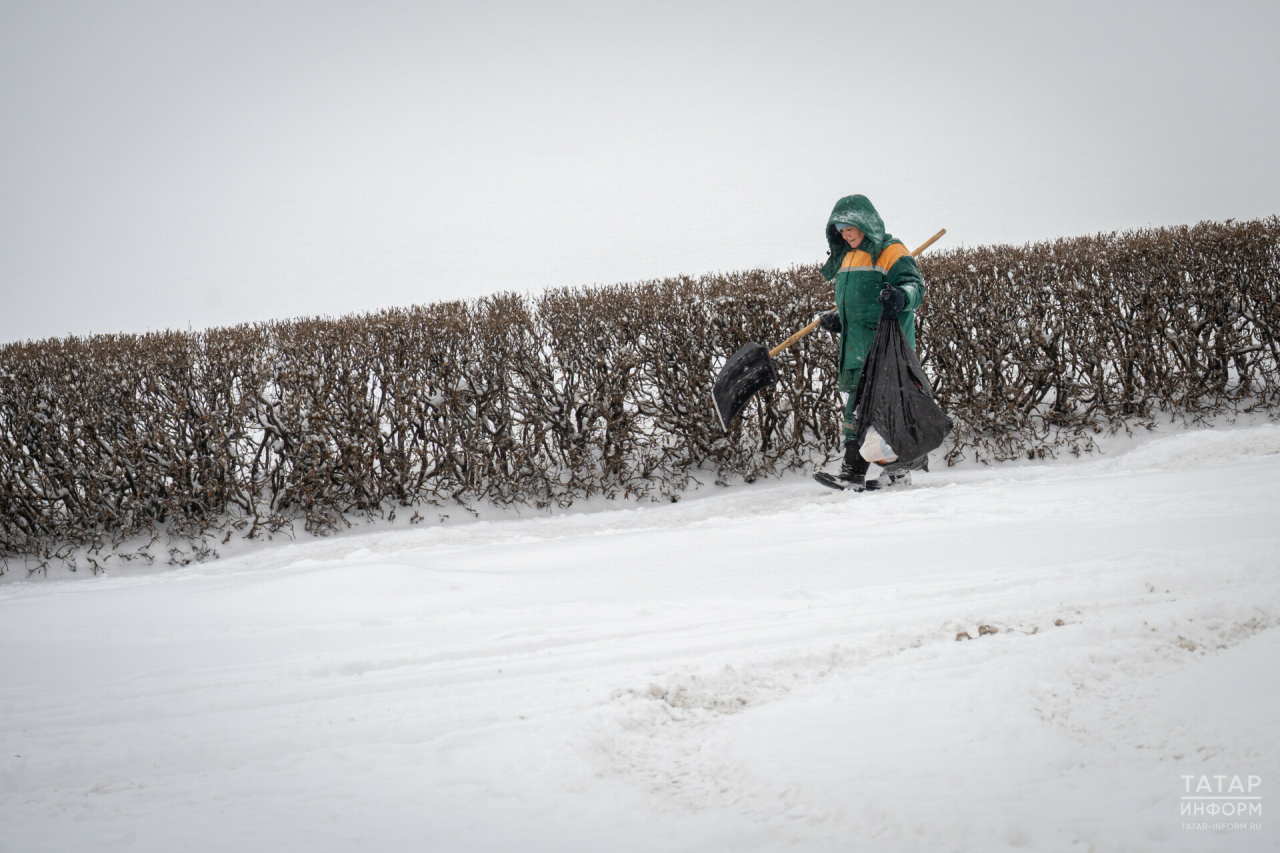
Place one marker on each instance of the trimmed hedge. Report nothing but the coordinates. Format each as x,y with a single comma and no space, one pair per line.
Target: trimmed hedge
191,437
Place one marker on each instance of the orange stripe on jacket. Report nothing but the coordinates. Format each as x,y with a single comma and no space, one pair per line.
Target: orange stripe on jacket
857,258
891,255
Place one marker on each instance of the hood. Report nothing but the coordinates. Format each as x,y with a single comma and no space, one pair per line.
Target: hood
856,210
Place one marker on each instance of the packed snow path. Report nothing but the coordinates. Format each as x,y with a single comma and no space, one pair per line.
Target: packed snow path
773,666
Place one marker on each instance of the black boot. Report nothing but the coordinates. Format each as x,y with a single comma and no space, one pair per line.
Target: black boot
853,471
896,474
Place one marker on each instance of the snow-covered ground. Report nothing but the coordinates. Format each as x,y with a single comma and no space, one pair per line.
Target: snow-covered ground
766,667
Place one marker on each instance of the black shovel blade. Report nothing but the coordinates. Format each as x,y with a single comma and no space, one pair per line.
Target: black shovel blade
746,372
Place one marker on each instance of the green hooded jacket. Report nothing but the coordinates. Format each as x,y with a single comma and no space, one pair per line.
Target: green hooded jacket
860,274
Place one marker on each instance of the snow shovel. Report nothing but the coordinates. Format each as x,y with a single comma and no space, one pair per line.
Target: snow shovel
751,367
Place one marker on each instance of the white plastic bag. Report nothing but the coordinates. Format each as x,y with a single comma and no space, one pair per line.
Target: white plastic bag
876,449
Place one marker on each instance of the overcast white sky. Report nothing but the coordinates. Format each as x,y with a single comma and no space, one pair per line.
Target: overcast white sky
210,163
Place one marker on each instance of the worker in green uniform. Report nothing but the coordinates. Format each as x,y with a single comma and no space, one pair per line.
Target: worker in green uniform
874,275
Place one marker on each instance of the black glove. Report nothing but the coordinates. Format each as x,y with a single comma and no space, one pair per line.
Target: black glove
892,301
830,322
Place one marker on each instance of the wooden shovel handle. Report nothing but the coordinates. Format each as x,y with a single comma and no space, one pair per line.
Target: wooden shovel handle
927,243
809,328
791,340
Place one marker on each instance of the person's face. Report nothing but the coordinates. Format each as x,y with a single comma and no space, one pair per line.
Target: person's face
852,236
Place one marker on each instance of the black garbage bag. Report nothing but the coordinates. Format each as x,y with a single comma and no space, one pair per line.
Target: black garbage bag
894,397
